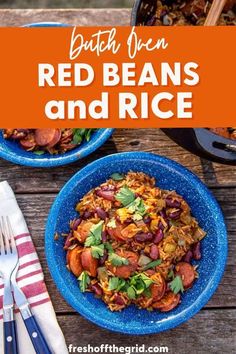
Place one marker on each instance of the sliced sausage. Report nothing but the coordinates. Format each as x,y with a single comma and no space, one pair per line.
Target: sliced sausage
83,231
158,289
167,303
74,261
125,271
186,272
47,137
29,142
88,262
115,233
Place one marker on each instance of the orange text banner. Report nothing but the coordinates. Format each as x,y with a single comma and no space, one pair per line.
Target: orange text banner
118,77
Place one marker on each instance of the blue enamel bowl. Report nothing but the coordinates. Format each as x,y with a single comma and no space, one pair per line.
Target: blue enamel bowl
12,151
168,175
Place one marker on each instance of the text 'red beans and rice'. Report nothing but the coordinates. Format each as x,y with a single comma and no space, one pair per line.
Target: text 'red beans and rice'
133,244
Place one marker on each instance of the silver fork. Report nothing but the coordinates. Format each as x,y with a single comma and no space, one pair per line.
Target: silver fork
8,262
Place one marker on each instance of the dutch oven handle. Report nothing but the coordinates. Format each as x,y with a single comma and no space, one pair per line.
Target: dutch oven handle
221,147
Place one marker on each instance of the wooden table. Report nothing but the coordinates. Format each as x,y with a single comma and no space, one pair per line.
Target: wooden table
213,329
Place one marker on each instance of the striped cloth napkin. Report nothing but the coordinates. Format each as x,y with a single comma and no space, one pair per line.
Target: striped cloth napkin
31,280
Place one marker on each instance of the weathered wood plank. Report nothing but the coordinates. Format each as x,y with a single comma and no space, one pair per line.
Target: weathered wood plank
33,180
207,332
36,207
78,17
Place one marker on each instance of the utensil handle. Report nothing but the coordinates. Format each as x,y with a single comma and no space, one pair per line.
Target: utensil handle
36,336
10,337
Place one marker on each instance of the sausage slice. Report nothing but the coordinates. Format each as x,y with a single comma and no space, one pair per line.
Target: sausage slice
125,271
186,272
167,303
158,289
28,143
47,137
88,262
74,261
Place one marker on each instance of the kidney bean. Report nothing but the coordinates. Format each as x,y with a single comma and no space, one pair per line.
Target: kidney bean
104,236
103,259
159,236
147,220
68,242
171,203
154,252
119,300
106,194
142,237
101,213
76,223
175,214
86,215
161,226
96,289
187,258
197,251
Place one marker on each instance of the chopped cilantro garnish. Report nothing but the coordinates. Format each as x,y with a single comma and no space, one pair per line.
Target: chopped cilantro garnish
137,206
140,283
125,196
97,251
117,284
39,152
95,235
152,264
84,280
117,177
131,292
177,285
117,260
108,246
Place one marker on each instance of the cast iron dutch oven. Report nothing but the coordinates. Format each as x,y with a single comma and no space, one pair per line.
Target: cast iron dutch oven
202,141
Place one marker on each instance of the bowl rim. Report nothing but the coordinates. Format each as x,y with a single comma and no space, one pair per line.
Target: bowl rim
61,159
179,318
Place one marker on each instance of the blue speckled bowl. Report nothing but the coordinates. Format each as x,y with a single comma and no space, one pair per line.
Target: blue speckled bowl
169,175
12,151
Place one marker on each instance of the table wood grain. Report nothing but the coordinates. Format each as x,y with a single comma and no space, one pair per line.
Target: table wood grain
213,329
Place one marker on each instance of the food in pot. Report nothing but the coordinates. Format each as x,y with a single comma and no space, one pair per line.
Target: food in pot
229,133
134,243
188,13
53,141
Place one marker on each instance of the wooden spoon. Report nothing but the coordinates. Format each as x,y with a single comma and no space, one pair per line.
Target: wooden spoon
215,12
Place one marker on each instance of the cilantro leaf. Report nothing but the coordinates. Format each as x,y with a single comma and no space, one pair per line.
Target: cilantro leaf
177,285
97,251
131,292
137,206
152,264
108,246
117,177
117,260
125,196
95,235
113,283
39,152
84,280
140,283
116,283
